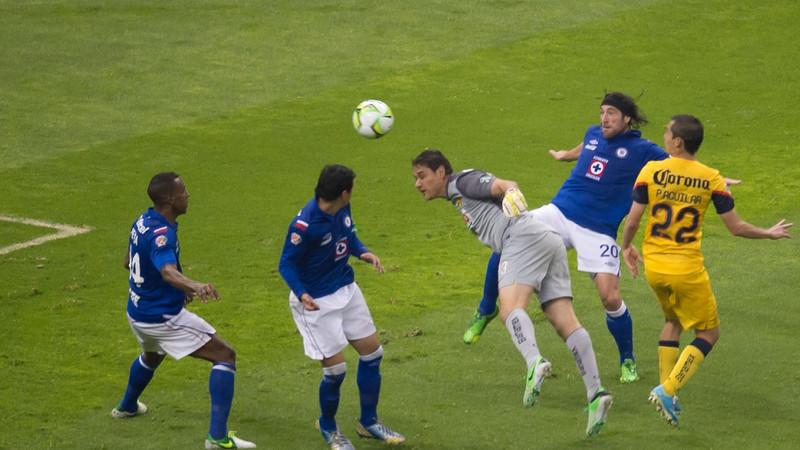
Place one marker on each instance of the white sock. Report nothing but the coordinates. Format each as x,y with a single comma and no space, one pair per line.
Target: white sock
520,327
580,344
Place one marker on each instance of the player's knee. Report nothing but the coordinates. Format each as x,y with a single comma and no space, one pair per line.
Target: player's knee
230,355
611,301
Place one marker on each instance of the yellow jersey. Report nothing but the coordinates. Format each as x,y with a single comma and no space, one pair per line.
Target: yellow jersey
678,192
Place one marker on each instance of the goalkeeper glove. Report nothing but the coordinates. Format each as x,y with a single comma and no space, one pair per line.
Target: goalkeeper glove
514,203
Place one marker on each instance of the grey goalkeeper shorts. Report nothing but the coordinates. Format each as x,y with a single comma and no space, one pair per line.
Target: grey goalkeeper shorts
534,255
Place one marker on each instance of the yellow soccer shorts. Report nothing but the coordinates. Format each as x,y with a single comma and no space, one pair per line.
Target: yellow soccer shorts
687,298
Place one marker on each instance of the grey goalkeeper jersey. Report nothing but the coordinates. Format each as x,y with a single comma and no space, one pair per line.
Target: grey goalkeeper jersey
471,192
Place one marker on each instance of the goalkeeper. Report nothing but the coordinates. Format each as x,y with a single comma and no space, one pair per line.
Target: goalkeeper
533,259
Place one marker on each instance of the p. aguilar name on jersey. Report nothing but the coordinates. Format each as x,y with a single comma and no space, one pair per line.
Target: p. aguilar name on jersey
665,178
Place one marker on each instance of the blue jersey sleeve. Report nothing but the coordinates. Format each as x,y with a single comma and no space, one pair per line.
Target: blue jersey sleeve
163,249
294,248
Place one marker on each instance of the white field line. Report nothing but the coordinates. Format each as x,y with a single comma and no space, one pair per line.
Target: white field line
64,231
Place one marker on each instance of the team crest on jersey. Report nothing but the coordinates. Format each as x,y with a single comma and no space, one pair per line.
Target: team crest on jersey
622,152
342,249
597,168
296,238
161,241
347,221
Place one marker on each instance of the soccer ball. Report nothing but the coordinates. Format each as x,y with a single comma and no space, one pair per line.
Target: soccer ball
372,119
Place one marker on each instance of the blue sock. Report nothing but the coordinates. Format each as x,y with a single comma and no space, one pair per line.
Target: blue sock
220,386
329,399
140,376
489,300
622,329
368,380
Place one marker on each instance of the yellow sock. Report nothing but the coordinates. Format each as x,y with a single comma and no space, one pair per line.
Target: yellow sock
668,352
690,359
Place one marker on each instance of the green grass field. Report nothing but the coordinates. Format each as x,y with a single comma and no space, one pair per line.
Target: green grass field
247,100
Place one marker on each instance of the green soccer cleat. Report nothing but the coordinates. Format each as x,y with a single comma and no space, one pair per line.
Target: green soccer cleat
381,432
477,325
628,371
665,404
335,439
534,379
119,413
598,410
229,441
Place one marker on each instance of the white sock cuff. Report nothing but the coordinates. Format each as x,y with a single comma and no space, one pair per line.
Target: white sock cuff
144,364
334,370
224,367
619,312
372,356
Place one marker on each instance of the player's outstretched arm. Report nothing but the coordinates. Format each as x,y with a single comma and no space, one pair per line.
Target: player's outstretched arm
567,155
739,227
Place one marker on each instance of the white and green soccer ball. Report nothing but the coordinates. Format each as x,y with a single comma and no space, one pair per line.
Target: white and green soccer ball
372,119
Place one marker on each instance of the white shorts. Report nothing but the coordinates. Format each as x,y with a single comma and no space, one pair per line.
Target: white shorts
180,336
597,252
342,317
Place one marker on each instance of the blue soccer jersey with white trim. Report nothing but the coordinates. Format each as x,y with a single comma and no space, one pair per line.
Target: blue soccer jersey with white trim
152,245
597,194
316,251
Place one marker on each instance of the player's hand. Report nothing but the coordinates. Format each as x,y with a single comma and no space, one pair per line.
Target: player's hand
732,181
372,259
778,230
514,203
559,155
308,303
206,292
632,259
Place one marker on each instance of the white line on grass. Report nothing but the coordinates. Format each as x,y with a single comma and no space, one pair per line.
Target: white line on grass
64,231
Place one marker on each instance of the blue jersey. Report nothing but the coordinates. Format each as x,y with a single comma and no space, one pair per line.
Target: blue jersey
153,244
597,194
317,247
